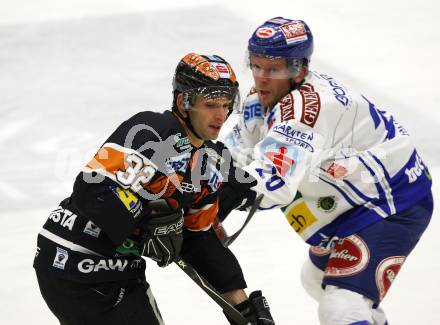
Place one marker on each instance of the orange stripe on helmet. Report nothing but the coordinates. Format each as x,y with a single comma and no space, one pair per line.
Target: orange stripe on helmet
202,65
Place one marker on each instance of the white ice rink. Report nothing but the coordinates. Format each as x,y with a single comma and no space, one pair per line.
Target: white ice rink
72,70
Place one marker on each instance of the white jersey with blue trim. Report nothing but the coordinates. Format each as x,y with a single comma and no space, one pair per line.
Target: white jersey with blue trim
332,160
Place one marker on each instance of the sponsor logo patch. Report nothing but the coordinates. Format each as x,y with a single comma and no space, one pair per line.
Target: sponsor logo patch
129,199
414,172
311,103
281,160
337,171
172,228
61,258
252,110
299,216
88,265
182,143
287,108
319,251
386,272
222,70
327,204
188,187
265,32
348,257
92,229
64,217
294,32
178,163
298,138
339,91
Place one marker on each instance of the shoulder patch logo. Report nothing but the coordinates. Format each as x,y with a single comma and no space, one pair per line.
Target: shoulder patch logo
311,103
287,108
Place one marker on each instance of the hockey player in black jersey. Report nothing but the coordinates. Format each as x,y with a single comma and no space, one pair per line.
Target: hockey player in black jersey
150,190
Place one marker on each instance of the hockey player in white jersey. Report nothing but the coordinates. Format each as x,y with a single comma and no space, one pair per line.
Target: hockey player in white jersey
344,172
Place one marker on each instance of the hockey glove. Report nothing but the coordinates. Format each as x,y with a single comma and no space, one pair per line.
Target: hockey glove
236,194
162,233
256,310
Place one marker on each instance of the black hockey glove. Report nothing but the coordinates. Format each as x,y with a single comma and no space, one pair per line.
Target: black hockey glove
162,233
236,193
256,310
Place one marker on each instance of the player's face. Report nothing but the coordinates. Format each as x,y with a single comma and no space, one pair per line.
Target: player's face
208,116
272,79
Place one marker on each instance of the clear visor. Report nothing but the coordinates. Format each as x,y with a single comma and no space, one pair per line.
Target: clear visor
212,97
272,67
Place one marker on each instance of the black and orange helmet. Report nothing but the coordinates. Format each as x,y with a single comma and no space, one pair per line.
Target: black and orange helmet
207,75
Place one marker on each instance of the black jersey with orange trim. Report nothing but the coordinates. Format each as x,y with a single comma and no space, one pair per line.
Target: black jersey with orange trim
148,157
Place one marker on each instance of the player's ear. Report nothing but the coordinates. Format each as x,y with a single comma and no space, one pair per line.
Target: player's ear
180,105
302,73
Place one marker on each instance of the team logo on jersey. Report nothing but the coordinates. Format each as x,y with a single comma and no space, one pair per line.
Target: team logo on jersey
265,32
281,160
386,272
311,104
92,229
61,258
294,32
287,108
327,204
348,257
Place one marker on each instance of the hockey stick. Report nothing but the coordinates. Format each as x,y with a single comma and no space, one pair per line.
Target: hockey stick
230,239
233,313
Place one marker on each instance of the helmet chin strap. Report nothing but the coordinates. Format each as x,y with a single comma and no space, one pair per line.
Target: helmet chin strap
187,121
191,127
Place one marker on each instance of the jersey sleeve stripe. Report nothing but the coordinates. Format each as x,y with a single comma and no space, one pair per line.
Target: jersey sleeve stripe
202,219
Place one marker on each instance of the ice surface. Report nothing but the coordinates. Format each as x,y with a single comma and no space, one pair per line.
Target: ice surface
70,72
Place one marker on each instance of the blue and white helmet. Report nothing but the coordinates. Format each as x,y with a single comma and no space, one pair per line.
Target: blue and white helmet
282,38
